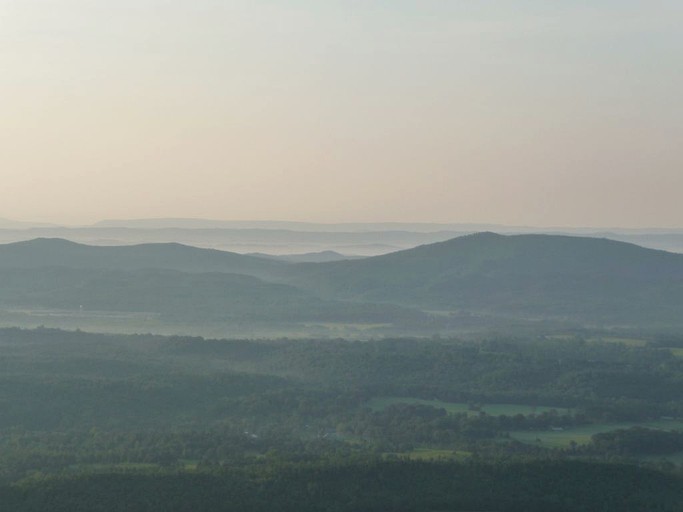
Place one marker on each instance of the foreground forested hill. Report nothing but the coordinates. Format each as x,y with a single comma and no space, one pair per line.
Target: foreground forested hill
113,423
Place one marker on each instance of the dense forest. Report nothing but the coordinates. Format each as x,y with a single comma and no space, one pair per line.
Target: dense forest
584,421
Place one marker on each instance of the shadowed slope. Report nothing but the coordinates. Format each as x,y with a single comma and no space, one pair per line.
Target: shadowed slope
180,296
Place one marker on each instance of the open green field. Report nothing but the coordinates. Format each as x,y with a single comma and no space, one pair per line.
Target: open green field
137,323
123,466
378,404
582,435
631,342
678,352
185,465
431,454
345,325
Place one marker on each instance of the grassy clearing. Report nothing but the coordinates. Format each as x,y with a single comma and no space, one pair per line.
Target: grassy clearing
582,435
431,454
379,404
137,323
123,466
630,342
678,352
186,465
438,312
341,326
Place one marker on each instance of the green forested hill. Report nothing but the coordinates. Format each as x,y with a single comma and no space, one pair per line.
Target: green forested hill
529,275
54,252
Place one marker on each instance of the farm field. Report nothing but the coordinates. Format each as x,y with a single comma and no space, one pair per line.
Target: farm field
123,466
431,454
631,342
141,323
582,435
678,352
379,404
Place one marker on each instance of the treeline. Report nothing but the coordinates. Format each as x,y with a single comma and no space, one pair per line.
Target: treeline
636,441
79,380
362,486
74,400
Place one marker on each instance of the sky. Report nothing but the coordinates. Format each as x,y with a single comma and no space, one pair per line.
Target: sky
562,113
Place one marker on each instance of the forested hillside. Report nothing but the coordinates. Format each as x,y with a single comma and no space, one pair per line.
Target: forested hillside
468,283
532,276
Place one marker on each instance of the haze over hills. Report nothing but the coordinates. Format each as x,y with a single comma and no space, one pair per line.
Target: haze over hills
294,238
361,227
310,257
341,227
16,224
268,241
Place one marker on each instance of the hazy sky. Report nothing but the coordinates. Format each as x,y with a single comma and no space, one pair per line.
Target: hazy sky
566,112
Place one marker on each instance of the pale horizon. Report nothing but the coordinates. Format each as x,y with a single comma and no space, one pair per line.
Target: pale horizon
543,115
445,223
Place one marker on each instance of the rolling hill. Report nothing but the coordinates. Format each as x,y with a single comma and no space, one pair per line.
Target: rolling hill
527,277
533,276
55,252
179,283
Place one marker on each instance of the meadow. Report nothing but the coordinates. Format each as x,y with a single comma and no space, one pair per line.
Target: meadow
379,404
582,435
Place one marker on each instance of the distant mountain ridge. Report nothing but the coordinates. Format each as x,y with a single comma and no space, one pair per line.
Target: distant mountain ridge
360,227
283,238
349,227
19,224
245,240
